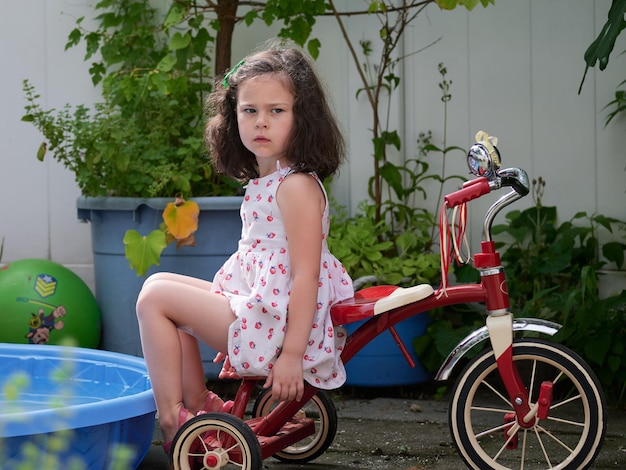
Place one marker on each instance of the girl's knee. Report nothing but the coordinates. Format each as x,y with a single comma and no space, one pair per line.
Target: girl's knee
153,278
140,309
147,296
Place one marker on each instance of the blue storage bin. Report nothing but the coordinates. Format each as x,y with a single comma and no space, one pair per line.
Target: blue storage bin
69,404
381,364
117,285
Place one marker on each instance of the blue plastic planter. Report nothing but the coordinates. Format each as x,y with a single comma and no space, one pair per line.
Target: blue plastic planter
117,285
73,404
381,363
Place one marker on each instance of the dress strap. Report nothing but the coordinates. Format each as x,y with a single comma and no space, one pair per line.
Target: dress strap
283,171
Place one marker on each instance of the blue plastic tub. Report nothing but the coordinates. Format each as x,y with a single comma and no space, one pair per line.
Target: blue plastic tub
69,407
381,364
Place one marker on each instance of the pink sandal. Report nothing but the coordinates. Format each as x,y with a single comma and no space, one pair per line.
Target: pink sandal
212,403
182,419
197,446
215,403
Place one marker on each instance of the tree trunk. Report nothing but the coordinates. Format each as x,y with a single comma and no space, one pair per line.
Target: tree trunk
226,14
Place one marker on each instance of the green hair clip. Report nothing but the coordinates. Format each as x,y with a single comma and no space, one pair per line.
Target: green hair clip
232,71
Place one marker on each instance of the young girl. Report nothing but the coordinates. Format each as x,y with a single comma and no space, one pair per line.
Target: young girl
268,307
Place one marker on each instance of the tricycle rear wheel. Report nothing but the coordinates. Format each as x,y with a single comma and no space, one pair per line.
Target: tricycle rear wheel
321,409
215,441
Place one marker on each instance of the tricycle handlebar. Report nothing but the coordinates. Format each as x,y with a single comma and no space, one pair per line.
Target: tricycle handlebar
471,190
515,178
483,160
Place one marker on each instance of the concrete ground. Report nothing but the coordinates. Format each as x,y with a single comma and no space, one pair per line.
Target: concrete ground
396,433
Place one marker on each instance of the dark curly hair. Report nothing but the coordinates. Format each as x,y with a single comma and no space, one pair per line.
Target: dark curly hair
316,144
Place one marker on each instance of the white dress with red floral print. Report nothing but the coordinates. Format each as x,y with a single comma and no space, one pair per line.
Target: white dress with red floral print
257,281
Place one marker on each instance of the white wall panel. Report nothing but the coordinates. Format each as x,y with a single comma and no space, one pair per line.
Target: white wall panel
44,224
66,81
444,35
24,182
563,122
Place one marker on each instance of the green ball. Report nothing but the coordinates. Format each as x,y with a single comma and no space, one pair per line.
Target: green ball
43,302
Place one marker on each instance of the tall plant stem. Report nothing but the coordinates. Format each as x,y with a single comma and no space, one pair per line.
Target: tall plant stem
392,35
445,98
371,98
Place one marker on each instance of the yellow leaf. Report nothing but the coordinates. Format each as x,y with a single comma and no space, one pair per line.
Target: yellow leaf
181,218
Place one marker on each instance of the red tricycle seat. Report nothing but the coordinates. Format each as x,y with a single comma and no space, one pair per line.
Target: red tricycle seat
375,300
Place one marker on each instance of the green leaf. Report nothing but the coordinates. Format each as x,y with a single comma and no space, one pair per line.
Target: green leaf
93,43
249,17
97,71
431,148
596,347
373,255
175,15
299,29
392,176
160,82
42,151
614,363
469,4
74,38
200,41
614,251
144,252
392,138
376,7
379,148
447,339
454,147
606,222
393,80
313,47
600,49
180,41
167,63
391,278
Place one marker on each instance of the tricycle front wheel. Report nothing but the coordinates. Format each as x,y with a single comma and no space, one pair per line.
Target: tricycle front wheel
571,432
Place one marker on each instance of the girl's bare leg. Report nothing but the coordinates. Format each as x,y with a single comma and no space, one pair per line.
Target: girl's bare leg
194,386
165,303
195,392
187,280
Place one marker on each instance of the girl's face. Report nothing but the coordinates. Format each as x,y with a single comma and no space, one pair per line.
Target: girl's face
265,119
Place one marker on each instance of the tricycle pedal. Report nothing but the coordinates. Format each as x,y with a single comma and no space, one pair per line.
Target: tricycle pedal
511,441
293,431
545,399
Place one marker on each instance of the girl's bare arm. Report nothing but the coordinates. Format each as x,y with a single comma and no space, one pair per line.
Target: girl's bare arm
301,203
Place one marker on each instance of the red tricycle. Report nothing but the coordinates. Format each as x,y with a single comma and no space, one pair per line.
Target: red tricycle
522,403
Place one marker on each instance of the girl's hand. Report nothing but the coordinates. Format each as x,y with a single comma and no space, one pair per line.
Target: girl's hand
286,378
228,371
